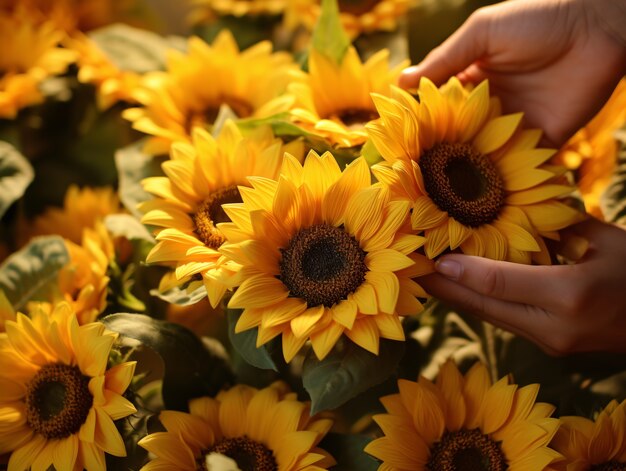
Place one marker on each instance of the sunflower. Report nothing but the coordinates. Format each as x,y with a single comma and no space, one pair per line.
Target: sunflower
112,84
82,208
476,180
334,100
464,422
592,152
58,400
249,82
596,445
261,430
30,53
323,253
200,177
357,16
204,11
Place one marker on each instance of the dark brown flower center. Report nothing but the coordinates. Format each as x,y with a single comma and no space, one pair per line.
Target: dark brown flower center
609,466
58,401
355,118
240,107
210,213
357,7
463,182
248,454
322,265
466,450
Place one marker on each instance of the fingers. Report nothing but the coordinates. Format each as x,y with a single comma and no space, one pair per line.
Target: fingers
467,45
520,319
542,286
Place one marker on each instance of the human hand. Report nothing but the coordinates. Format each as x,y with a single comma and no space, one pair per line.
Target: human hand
562,308
551,59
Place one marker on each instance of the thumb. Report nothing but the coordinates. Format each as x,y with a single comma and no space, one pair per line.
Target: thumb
453,56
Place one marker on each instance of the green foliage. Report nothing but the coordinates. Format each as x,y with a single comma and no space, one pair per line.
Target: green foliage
329,38
16,174
133,165
127,226
245,344
27,274
614,199
347,371
184,295
190,369
348,451
132,49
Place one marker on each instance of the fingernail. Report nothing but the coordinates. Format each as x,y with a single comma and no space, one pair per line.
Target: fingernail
449,268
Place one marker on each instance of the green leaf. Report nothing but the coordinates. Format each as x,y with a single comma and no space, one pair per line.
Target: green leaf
613,201
28,272
370,153
329,38
245,343
348,451
132,49
127,226
184,295
190,369
133,165
16,174
279,123
347,371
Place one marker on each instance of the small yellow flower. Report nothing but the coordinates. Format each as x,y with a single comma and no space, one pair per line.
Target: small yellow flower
475,179
464,422
323,253
261,430
197,84
598,444
58,399
30,53
204,11
333,100
592,152
357,16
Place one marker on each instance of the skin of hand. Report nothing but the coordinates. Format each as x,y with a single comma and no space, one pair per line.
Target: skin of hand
555,60
575,308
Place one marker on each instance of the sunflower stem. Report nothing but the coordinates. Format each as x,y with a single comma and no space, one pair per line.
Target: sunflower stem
490,348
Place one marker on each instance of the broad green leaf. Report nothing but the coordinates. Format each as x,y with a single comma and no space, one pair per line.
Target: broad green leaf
347,371
133,166
190,369
184,295
348,451
16,174
370,153
129,227
329,38
279,123
245,343
30,271
131,49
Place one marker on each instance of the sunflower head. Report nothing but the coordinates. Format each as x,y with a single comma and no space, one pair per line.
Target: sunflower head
357,16
58,398
250,82
476,179
30,53
465,422
260,430
596,445
188,209
323,253
333,100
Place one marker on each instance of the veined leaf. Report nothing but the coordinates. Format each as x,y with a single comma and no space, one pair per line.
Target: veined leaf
28,272
190,369
184,295
16,174
132,167
129,227
347,371
329,38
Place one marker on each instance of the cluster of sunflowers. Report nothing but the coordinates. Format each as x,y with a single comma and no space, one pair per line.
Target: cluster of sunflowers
211,250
